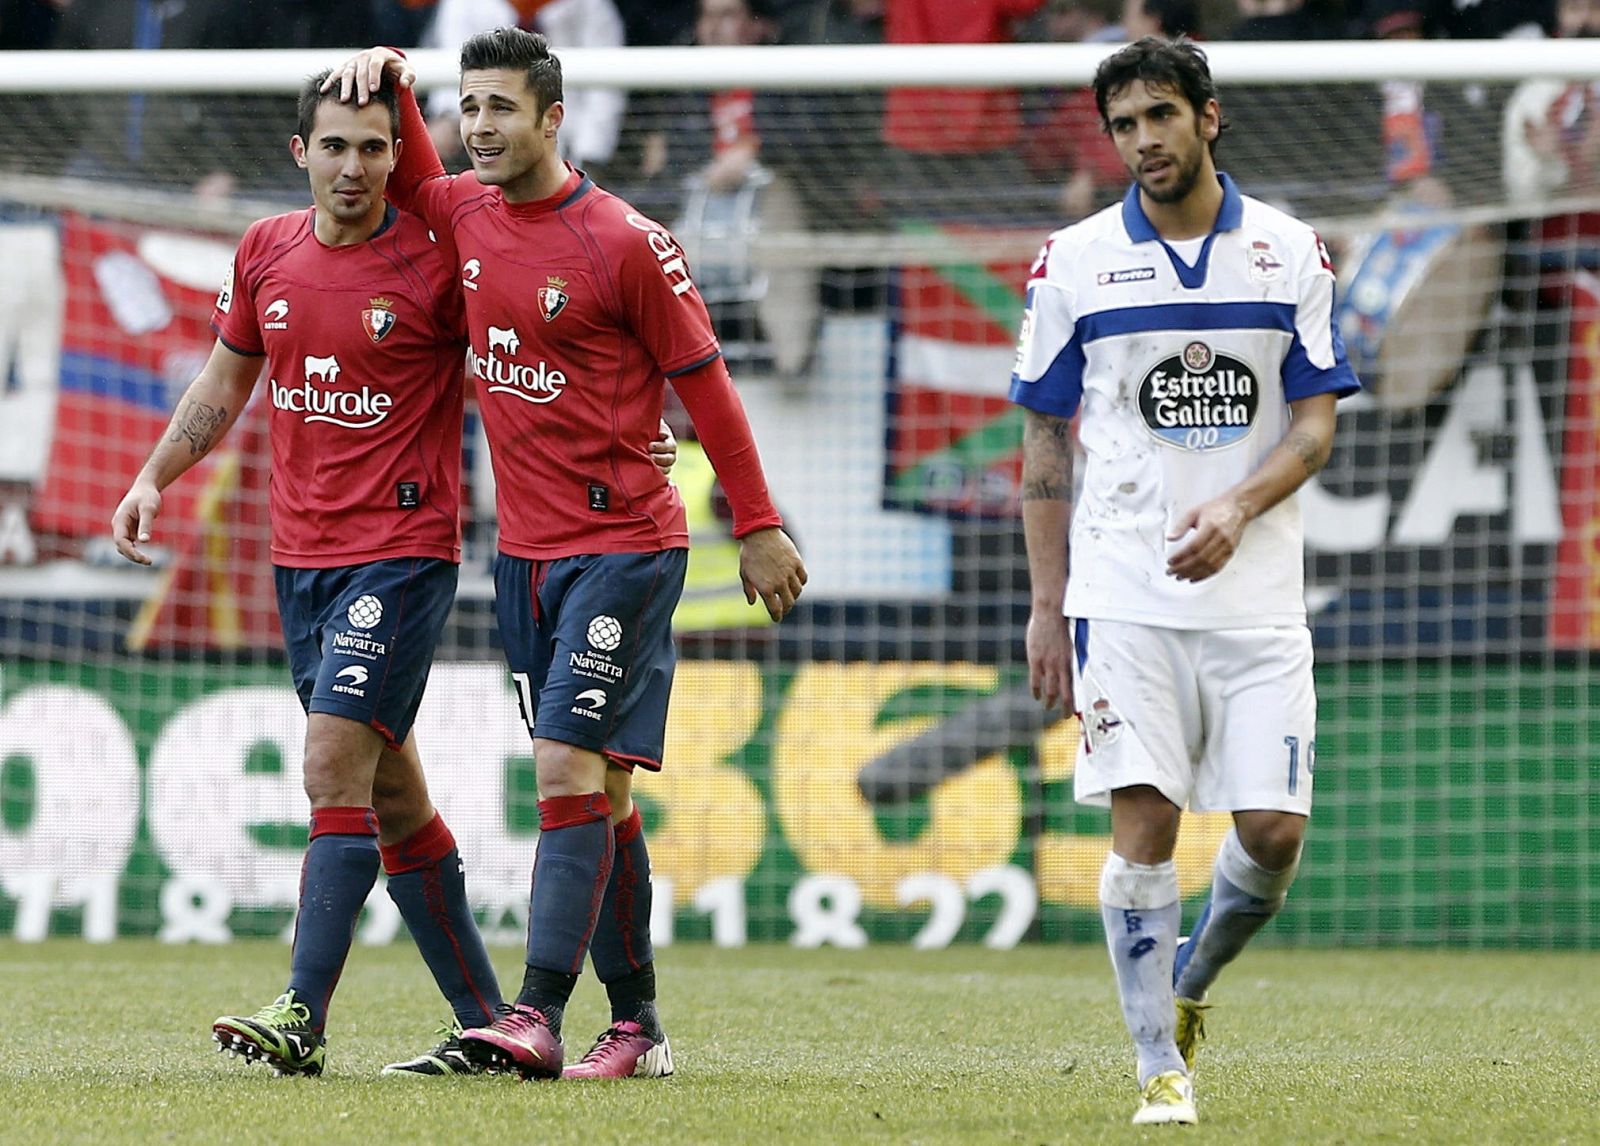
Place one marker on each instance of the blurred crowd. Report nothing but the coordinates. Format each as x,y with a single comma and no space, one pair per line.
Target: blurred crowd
725,165
1029,153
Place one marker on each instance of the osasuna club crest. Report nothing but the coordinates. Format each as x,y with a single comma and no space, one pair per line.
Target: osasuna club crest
378,319
552,298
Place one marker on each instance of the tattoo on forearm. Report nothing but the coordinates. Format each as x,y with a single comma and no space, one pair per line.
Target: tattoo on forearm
1308,449
198,423
1046,457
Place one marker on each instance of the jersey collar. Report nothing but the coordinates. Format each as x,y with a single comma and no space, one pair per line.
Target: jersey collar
1141,230
576,187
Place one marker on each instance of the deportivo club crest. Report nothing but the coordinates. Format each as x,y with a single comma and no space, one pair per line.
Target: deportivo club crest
1264,264
552,298
378,319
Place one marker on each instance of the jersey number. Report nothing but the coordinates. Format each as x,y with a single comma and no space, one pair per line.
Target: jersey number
525,700
1293,744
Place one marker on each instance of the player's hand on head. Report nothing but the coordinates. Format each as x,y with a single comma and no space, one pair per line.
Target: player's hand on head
664,450
1210,534
362,74
1050,659
771,570
133,520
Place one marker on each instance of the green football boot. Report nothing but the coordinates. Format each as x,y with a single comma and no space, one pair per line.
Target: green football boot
279,1035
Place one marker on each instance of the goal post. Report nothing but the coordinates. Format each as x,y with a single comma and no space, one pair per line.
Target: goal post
872,770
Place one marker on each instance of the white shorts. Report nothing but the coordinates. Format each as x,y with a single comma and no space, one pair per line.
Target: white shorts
1216,720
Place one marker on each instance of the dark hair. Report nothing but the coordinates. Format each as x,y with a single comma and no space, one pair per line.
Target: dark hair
517,50
312,97
1176,64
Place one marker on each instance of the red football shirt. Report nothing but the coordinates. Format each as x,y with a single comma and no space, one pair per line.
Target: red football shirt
364,356
578,311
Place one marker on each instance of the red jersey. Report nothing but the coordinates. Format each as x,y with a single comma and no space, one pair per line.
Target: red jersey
578,311
364,349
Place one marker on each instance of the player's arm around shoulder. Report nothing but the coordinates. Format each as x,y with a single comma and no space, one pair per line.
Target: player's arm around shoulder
208,408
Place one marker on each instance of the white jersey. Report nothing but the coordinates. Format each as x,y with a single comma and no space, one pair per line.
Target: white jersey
1183,375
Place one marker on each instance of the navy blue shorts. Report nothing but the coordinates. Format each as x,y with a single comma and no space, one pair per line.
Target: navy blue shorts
589,643
361,637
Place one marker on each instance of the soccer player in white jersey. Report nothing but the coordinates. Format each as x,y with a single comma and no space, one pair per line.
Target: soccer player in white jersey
1189,330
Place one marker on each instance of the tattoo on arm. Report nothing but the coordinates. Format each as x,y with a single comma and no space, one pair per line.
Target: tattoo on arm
198,423
1046,457
1308,449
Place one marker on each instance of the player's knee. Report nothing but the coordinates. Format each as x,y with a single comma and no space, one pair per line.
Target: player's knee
567,770
1144,824
1272,840
401,810
328,785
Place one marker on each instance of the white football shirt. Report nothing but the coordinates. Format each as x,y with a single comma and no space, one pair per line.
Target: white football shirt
1181,376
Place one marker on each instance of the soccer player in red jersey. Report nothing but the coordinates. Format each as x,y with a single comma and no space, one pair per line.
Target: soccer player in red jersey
357,313
579,311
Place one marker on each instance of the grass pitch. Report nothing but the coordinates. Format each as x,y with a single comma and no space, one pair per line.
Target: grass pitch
111,1045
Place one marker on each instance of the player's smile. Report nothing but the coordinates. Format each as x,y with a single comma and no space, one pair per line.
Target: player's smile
508,139
485,153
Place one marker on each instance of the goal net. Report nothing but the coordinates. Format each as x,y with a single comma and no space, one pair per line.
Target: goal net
860,222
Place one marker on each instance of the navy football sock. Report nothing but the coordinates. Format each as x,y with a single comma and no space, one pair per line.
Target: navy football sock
427,884
621,943
570,875
623,957
340,867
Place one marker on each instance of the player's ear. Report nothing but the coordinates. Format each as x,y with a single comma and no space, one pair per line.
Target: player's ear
1211,120
394,152
297,148
553,115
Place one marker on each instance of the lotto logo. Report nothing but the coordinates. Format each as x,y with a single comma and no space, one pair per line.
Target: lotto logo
368,611
605,633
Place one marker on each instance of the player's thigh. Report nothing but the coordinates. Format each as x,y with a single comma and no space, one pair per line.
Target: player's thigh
1138,701
1260,710
609,679
380,626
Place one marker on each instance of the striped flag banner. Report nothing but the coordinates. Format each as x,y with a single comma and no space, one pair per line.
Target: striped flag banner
954,440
